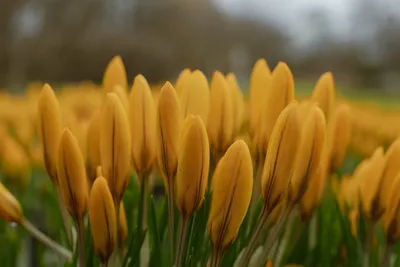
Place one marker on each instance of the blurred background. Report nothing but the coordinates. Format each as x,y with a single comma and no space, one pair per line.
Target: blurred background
66,41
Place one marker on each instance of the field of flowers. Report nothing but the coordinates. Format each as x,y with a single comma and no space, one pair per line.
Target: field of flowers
196,172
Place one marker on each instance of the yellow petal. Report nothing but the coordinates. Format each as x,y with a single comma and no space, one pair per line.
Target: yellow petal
121,93
193,166
72,175
49,122
324,93
309,154
123,226
232,188
182,80
391,218
280,158
311,197
10,209
115,146
279,95
238,101
115,74
168,131
220,124
102,219
143,126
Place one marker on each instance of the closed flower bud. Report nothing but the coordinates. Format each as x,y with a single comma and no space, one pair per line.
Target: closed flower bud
324,93
193,166
220,124
115,74
122,94
390,171
281,155
232,188
309,153
103,223
258,87
93,146
72,175
370,179
278,96
10,209
143,126
182,80
168,130
338,135
115,146
194,96
238,102
312,196
391,219
49,122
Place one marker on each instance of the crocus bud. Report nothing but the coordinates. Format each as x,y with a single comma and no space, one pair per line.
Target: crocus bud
168,131
338,135
370,179
312,196
49,122
93,146
281,155
309,153
391,219
194,96
143,126
115,146
390,171
231,194
182,80
278,96
324,93
103,223
238,102
72,175
259,84
193,166
10,209
220,124
115,74
122,94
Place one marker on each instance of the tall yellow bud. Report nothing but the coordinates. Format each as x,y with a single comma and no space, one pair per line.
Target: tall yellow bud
391,219
194,96
115,146
72,175
115,74
309,153
220,124
168,130
281,155
10,209
232,188
390,171
278,96
193,166
238,101
182,80
324,93
339,128
143,126
259,84
370,179
93,146
49,122
103,223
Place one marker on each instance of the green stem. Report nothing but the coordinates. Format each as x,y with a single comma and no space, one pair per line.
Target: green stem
274,234
57,248
180,254
387,256
81,242
285,240
64,214
368,243
171,198
216,258
145,191
254,239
